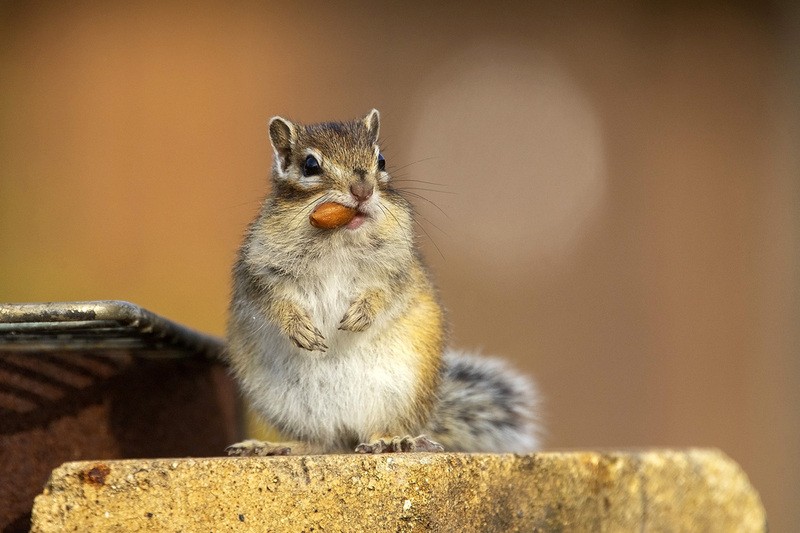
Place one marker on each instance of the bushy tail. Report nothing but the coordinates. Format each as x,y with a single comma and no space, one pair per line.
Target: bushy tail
484,406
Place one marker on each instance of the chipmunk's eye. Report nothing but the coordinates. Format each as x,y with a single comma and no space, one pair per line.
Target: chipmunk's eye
311,167
381,162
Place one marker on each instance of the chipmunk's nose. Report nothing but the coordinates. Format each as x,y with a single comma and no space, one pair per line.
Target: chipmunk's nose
361,190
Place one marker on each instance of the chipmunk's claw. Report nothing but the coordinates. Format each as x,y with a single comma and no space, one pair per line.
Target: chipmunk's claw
309,338
400,444
357,318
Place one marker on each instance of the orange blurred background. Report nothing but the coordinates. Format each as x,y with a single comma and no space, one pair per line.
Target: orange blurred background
616,197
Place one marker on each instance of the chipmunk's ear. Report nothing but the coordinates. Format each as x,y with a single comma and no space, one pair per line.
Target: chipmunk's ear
373,123
282,135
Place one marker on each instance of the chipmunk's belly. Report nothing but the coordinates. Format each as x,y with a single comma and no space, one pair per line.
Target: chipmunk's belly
361,386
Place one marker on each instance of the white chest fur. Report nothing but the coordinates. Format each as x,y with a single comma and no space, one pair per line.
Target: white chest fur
359,387
354,390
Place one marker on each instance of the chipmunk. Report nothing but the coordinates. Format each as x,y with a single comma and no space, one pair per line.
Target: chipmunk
336,336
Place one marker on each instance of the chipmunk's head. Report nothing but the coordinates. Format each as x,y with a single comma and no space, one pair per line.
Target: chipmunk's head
338,162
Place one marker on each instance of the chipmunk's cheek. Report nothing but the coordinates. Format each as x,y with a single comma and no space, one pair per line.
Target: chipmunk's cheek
357,221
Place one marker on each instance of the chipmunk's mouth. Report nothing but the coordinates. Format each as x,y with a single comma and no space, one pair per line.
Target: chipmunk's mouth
357,221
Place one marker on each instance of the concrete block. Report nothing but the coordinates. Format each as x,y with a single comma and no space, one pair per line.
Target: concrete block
687,490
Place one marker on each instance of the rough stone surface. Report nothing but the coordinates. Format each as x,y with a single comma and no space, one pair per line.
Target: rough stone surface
692,490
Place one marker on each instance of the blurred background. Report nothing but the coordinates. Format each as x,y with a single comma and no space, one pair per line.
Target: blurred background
611,191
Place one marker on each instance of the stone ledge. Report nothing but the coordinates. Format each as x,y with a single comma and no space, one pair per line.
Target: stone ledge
691,490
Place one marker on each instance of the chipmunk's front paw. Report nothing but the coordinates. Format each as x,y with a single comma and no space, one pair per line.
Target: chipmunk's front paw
252,447
306,336
401,444
359,317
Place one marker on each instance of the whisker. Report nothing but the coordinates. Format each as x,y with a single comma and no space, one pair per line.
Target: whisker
415,195
394,169
387,211
420,215
323,197
403,180
425,189
430,239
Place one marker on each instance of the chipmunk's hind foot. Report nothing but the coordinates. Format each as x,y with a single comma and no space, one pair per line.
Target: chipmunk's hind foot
252,448
400,444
